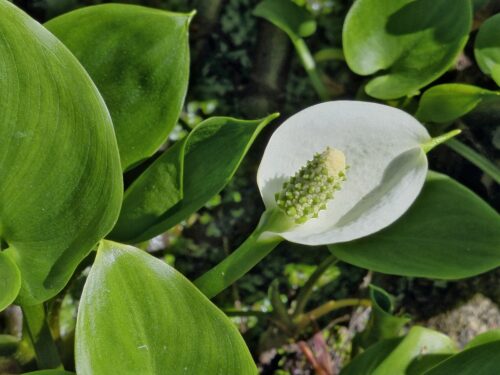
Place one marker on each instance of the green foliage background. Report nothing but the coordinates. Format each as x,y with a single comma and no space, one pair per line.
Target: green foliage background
232,74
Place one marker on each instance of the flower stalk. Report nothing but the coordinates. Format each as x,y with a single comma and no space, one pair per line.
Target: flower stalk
255,248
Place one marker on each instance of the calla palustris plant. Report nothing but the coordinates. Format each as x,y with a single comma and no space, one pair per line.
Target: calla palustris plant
332,173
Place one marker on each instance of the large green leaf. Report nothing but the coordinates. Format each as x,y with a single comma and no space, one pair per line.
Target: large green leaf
487,47
138,315
382,324
447,102
60,176
296,21
185,177
139,59
411,43
448,233
396,356
10,280
479,360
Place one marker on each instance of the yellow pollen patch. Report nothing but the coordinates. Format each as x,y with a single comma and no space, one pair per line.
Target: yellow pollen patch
334,161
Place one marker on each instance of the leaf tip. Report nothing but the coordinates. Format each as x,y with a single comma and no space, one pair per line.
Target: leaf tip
436,141
190,16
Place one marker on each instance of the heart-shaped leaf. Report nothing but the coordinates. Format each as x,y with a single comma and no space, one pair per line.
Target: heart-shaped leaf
60,176
448,233
138,315
10,280
411,43
487,47
395,356
185,177
479,360
139,59
447,102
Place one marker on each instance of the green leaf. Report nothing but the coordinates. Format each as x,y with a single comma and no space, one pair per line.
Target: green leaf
296,21
139,59
487,48
447,102
425,362
185,177
60,177
479,360
395,356
448,233
382,324
10,280
410,43
138,315
367,362
484,338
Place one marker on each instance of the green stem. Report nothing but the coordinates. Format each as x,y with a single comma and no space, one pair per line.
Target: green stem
306,291
309,64
303,320
475,158
255,248
46,352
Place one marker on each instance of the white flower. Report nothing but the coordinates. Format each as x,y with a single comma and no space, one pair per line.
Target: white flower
387,167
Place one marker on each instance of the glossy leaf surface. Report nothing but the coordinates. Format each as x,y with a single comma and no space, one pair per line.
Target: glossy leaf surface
487,47
140,316
448,233
479,360
297,22
139,59
408,43
396,356
185,177
10,280
447,102
60,178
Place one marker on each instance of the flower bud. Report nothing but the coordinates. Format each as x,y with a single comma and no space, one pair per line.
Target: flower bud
313,186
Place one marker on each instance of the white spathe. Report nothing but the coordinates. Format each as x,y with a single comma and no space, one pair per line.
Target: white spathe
387,166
